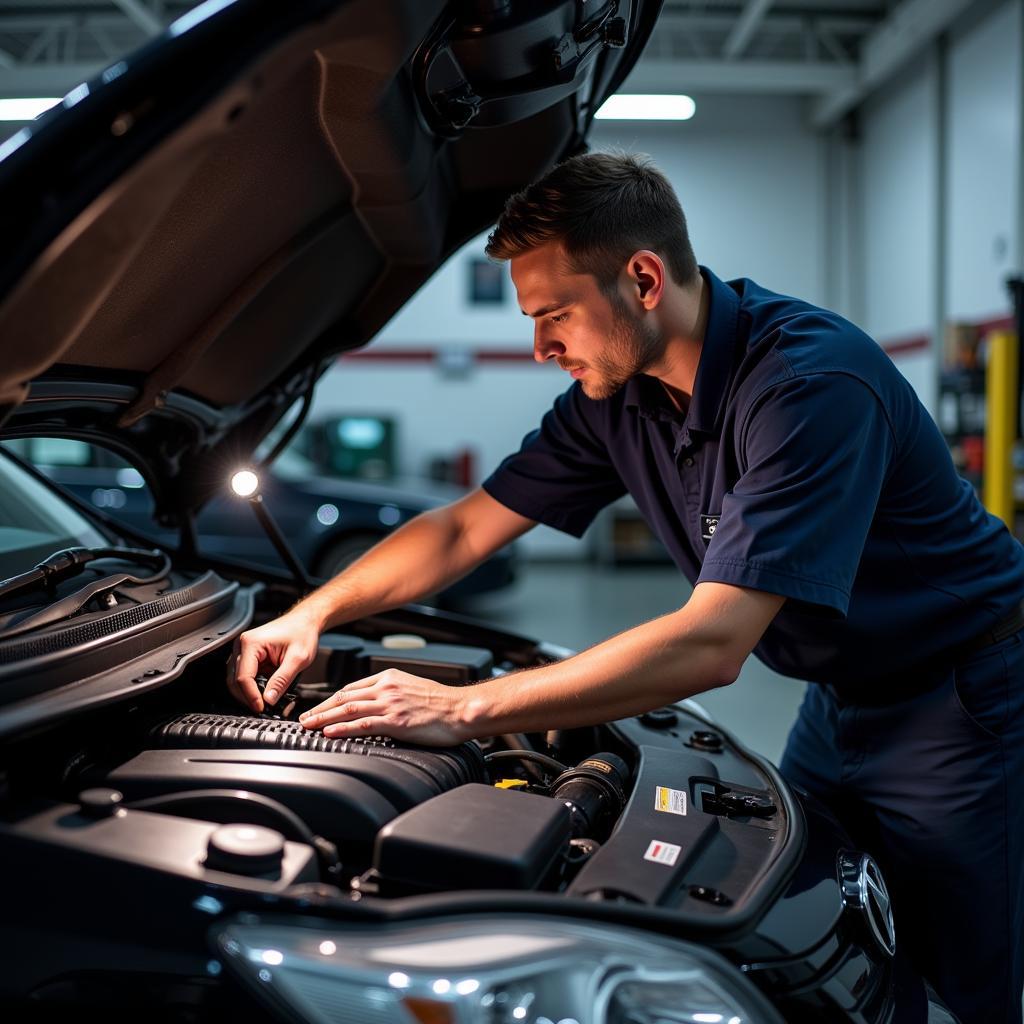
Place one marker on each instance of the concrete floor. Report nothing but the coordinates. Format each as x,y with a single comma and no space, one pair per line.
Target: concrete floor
577,605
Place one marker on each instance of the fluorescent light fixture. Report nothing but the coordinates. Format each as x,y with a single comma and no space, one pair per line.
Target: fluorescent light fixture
646,107
18,139
196,15
25,110
76,95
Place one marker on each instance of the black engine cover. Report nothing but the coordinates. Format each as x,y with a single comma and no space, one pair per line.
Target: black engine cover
345,790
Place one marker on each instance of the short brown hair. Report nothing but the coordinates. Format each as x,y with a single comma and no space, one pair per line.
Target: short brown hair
602,207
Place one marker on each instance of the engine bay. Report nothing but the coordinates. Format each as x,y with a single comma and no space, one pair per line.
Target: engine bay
173,777
148,808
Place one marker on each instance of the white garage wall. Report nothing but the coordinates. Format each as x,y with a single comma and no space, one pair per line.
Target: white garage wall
440,315
750,177
939,189
982,154
899,196
844,228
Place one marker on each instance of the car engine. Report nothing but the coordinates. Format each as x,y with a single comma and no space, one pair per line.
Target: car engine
135,786
375,815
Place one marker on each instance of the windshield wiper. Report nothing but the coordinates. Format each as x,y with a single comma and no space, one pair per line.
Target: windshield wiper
71,561
68,606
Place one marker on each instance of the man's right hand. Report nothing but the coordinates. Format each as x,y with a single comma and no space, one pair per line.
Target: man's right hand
421,557
281,649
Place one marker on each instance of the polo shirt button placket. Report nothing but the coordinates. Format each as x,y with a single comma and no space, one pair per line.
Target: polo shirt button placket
689,478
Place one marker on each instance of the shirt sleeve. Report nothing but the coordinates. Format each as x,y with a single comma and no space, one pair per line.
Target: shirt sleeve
815,451
562,475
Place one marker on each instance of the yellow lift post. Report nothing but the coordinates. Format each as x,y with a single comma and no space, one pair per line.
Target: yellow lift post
1001,383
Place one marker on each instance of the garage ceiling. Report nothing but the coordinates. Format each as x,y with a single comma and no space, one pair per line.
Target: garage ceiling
832,51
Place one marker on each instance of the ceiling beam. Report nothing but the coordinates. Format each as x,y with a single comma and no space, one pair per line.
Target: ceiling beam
141,15
684,22
33,22
746,25
723,76
45,79
886,49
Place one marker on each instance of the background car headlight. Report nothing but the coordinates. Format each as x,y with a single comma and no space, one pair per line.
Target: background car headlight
504,970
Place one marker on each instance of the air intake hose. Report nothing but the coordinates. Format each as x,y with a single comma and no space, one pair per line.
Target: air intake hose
594,791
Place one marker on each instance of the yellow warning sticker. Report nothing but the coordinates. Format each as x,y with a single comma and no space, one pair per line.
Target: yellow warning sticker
671,801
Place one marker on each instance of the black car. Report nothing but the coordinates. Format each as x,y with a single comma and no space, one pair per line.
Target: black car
188,245
328,522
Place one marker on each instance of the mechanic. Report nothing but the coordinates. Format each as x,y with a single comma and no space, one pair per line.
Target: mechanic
801,486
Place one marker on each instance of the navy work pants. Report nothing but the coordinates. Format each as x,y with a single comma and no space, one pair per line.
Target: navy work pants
933,787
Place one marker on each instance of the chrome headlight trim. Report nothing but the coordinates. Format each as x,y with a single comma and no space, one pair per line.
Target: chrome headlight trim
531,969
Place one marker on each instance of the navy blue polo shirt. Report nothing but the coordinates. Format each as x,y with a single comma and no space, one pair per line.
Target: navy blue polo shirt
805,465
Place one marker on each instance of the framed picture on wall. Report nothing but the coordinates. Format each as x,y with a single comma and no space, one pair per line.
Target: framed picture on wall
486,283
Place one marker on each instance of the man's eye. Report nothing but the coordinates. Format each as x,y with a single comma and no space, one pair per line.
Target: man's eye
560,318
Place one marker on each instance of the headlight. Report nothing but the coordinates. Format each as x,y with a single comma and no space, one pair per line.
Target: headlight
508,970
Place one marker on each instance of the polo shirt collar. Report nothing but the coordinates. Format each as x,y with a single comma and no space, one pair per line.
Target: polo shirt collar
714,368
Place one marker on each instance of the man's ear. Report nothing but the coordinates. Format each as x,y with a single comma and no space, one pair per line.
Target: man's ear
647,275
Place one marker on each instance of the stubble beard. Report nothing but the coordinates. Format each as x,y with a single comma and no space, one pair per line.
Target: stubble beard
633,347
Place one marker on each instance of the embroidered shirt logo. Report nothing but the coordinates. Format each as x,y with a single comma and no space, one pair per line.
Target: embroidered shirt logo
708,525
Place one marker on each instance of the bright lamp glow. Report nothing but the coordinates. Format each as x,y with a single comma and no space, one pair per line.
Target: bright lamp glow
647,107
25,109
245,483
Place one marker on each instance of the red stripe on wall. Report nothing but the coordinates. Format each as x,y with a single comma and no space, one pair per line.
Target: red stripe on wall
430,355
997,323
901,346
919,342
392,355
513,355
892,347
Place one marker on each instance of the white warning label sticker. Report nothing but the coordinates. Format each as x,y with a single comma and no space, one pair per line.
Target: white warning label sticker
662,853
671,801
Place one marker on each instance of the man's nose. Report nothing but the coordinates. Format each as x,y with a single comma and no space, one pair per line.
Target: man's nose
545,348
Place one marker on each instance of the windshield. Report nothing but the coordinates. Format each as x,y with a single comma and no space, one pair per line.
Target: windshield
292,465
36,522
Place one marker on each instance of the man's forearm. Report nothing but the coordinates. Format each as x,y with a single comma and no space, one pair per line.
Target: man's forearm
685,652
656,663
421,557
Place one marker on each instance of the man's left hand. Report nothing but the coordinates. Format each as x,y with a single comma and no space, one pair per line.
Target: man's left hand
396,704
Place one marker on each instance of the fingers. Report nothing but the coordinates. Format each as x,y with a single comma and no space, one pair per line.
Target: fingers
349,711
374,725
389,703
331,702
289,668
339,696
229,675
245,688
233,687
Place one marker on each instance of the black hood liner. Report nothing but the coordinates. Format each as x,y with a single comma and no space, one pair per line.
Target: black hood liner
240,203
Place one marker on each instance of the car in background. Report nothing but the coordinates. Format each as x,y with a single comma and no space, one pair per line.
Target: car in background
329,521
349,446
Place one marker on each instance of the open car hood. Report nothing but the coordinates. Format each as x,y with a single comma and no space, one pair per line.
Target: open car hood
193,237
